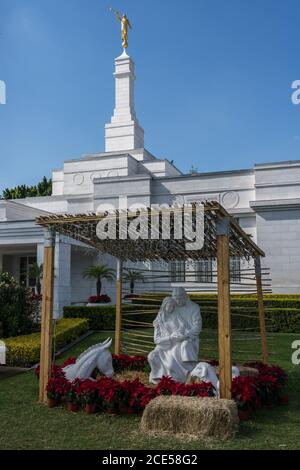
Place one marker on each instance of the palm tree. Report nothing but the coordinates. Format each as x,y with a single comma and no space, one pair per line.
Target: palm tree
36,272
99,272
132,276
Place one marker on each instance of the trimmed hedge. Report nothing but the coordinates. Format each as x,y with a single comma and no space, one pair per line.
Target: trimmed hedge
24,351
99,318
282,312
103,317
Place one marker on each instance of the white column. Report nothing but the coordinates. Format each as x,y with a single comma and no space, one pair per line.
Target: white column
62,275
40,253
124,132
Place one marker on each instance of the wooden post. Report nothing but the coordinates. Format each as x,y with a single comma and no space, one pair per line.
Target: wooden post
118,308
224,321
47,314
261,310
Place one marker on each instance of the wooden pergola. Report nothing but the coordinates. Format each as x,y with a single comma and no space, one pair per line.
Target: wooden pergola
223,239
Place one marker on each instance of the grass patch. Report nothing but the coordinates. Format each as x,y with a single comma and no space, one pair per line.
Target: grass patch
25,424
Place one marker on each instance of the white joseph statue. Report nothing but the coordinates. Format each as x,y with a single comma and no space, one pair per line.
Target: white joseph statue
176,335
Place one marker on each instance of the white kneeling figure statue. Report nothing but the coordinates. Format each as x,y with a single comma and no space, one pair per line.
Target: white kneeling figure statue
96,357
176,335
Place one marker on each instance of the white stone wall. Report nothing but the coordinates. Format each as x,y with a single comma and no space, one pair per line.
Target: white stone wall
82,289
264,199
279,236
277,181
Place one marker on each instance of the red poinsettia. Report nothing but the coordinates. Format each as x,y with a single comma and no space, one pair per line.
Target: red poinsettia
68,362
56,371
57,388
99,299
245,392
168,386
86,391
125,362
131,396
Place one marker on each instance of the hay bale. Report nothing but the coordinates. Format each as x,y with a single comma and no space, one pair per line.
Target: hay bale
193,417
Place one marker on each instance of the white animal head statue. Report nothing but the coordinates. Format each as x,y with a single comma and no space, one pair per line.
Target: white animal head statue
235,372
206,373
104,360
97,356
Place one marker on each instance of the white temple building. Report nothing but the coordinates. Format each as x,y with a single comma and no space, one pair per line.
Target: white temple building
265,199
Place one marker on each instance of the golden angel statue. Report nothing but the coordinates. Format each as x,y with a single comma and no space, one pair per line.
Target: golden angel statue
125,24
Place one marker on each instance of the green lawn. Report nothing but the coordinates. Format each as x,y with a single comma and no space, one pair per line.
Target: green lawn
25,424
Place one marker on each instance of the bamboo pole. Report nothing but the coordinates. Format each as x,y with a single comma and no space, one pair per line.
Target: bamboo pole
47,314
261,310
224,323
118,308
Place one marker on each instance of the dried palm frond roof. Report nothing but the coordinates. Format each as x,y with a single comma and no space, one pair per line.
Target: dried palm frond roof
82,227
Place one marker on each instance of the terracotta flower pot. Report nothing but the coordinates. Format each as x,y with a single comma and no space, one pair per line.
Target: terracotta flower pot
74,407
52,403
90,408
122,409
244,415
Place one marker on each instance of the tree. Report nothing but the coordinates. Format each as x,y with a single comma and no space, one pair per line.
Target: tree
43,188
132,276
36,272
99,272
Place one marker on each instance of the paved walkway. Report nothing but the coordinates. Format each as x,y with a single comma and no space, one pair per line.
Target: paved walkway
6,371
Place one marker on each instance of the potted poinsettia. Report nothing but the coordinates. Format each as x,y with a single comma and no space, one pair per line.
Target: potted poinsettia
71,397
246,396
56,388
87,394
107,394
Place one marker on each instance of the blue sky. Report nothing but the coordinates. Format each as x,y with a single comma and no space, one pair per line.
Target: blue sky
213,83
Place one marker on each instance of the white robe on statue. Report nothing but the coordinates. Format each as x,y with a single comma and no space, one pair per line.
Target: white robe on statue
175,357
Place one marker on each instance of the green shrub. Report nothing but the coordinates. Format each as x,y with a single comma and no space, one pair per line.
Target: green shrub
17,309
25,350
103,317
283,320
282,312
99,318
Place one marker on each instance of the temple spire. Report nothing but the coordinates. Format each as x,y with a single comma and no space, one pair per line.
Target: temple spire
124,132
